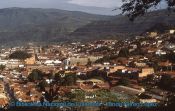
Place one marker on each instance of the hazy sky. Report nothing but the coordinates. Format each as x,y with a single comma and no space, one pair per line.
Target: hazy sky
92,6
104,7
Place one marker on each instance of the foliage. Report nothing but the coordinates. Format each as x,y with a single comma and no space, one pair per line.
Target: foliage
70,79
166,82
77,95
105,96
89,63
171,56
42,85
100,49
35,75
98,74
21,55
54,28
2,67
124,81
123,52
106,58
135,8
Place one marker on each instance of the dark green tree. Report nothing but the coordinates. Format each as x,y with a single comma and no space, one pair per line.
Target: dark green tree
124,81
70,79
35,75
2,67
21,55
166,82
135,8
58,78
89,63
124,52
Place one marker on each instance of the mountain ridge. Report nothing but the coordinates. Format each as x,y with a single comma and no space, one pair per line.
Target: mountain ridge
120,26
21,25
37,24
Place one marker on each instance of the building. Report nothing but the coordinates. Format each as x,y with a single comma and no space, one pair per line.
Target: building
153,34
31,60
14,63
3,97
3,62
146,71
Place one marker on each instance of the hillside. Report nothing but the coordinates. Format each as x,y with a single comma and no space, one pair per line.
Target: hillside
21,25
121,27
18,25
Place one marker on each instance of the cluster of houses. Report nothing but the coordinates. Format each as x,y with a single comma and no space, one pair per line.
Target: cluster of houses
147,56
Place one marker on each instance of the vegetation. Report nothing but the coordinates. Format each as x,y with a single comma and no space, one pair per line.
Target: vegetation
35,75
123,52
2,67
105,96
58,23
135,8
67,80
106,58
21,55
70,79
166,82
76,96
99,96
124,81
100,49
89,63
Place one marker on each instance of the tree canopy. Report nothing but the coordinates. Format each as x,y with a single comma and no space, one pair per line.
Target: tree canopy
35,75
21,55
135,8
2,67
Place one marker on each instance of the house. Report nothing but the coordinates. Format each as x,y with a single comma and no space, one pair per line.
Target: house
31,60
140,64
92,84
3,62
57,62
13,63
3,100
94,81
160,52
172,31
153,34
83,60
146,71
165,66
129,72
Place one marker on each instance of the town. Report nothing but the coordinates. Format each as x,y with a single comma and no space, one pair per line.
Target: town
140,70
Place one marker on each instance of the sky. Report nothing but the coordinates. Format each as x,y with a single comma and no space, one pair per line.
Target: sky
103,7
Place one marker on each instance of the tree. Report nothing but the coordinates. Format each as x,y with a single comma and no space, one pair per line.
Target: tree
124,52
35,75
171,57
135,8
70,79
42,85
2,67
21,55
89,63
59,77
124,81
166,82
